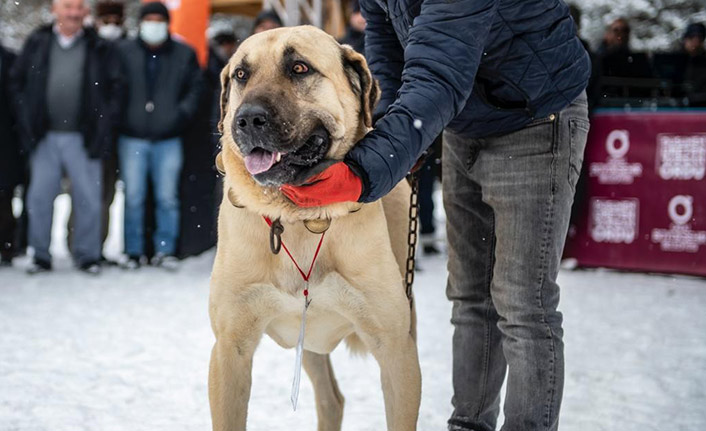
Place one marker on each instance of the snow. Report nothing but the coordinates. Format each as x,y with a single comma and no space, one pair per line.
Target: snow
130,351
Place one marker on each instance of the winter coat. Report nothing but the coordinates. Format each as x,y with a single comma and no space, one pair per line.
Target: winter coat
478,68
10,161
213,85
176,90
695,79
102,87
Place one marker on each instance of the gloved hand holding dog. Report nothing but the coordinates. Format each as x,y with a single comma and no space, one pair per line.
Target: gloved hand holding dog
328,182
331,181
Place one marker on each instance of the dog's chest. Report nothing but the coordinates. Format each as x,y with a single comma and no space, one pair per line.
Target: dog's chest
326,325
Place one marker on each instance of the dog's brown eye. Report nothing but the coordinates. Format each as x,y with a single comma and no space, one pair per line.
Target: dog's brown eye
241,75
300,68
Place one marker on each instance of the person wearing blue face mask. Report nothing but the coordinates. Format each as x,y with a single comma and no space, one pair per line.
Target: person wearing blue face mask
164,86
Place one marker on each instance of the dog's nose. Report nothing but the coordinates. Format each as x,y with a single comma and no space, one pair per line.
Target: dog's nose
251,117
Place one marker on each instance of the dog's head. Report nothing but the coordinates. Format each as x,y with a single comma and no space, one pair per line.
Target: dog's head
290,98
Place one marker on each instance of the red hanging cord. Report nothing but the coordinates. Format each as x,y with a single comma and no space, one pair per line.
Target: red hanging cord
311,267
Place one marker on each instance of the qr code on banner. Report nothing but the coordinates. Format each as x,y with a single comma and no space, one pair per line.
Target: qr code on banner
614,221
681,157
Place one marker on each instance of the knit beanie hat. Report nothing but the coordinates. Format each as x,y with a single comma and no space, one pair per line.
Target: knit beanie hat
267,15
154,7
695,30
109,8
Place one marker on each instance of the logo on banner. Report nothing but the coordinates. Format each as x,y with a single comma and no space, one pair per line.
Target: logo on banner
616,170
614,221
680,236
681,157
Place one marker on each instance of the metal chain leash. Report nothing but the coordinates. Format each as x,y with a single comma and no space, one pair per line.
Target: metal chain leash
412,234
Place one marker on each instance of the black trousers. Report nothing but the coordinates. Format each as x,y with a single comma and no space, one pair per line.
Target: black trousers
427,175
8,225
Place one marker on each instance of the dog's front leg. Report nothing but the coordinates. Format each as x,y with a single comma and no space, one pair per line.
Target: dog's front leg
230,372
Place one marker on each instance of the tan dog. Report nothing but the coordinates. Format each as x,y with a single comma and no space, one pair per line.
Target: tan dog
291,98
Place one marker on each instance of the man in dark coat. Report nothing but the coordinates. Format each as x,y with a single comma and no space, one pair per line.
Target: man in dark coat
110,19
222,45
615,59
10,162
355,30
201,186
695,67
164,88
506,81
66,91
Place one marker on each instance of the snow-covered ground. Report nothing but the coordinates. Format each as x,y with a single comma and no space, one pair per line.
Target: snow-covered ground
130,350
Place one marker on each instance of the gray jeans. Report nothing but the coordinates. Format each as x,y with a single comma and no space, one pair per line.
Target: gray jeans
58,153
508,201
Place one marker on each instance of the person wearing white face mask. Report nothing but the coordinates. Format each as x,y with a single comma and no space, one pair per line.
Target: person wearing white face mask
109,19
108,22
164,87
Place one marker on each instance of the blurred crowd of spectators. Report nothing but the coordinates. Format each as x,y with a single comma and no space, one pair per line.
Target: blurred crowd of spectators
83,106
623,77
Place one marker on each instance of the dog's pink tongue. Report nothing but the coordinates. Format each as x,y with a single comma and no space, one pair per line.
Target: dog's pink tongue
259,161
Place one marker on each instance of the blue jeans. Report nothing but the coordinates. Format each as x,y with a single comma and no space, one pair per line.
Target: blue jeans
162,162
508,201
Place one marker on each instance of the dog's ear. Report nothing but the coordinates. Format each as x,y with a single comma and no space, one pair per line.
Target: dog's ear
362,82
225,91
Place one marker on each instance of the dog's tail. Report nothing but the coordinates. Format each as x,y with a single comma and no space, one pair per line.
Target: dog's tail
356,345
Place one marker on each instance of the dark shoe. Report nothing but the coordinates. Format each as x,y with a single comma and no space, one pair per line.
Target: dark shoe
132,263
430,249
37,266
168,262
5,262
429,244
107,262
91,268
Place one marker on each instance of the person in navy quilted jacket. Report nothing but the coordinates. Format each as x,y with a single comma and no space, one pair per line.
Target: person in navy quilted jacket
505,81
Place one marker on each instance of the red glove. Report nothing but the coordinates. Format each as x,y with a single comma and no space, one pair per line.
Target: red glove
336,183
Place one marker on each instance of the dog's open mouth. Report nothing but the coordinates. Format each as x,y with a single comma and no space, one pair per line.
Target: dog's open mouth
261,160
272,166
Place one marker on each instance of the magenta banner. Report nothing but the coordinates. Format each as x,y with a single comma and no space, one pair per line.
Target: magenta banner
644,204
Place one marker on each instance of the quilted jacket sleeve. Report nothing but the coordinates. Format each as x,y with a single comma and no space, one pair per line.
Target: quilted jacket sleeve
384,54
443,51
